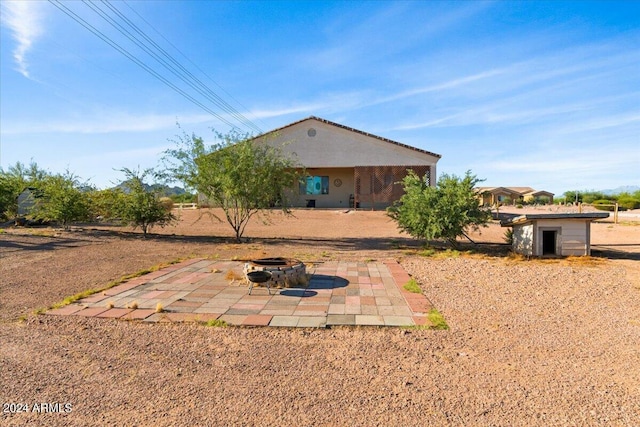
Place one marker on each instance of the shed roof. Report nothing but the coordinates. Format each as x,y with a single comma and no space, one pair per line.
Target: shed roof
523,219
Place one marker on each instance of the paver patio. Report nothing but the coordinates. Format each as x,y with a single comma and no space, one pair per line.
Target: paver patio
338,293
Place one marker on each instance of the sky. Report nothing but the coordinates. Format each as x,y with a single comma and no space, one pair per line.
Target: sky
544,94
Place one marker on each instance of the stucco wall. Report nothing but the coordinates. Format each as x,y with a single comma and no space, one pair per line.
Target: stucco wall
332,146
328,149
338,197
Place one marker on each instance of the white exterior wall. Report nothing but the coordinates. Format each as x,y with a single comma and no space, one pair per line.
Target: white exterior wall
523,239
572,239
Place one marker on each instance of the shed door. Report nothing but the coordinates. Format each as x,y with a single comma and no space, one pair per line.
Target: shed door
549,238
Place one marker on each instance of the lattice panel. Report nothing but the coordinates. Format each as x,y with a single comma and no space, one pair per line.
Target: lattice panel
379,185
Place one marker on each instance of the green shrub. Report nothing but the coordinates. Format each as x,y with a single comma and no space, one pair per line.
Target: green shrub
437,320
627,201
412,286
542,200
445,211
427,252
508,236
217,323
593,196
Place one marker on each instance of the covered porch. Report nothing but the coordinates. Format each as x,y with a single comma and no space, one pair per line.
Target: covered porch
360,187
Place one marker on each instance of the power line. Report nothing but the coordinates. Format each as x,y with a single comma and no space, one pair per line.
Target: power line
178,70
187,59
172,65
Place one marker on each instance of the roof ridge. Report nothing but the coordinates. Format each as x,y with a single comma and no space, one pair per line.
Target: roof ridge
329,122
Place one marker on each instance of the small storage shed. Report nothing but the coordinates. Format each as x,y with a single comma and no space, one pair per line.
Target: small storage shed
27,201
562,234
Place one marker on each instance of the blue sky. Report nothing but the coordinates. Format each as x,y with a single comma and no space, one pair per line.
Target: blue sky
543,94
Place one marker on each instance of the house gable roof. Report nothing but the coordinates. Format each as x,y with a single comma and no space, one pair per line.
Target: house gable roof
539,193
497,190
521,191
347,145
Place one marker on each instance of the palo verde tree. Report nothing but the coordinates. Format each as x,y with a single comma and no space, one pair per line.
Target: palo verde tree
240,175
139,205
444,212
63,198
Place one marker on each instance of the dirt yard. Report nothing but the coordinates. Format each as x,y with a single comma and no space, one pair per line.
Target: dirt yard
538,343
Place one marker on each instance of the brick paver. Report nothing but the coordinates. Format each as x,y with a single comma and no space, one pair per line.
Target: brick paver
338,293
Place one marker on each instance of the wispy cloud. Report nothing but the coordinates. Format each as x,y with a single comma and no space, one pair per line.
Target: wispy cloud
326,103
285,111
356,38
447,85
24,20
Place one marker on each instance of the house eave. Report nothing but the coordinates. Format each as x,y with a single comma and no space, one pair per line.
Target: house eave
328,122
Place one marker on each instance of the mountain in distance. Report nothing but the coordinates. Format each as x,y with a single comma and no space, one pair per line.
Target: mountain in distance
163,189
622,189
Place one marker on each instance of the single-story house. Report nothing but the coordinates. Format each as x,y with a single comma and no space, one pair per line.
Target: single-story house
561,234
346,167
489,196
539,195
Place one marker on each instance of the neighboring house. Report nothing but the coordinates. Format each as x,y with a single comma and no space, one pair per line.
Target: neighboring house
347,167
489,196
541,195
553,234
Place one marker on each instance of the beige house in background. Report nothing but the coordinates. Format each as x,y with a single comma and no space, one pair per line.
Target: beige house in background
346,167
538,195
489,196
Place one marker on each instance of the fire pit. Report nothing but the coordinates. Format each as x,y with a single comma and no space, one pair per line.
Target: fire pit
259,277
285,272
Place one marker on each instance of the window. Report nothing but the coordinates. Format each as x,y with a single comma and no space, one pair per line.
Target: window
315,185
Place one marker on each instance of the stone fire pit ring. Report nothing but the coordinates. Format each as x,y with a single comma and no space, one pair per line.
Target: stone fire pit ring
285,272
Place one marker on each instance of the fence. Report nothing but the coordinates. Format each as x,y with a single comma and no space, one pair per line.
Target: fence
614,205
185,206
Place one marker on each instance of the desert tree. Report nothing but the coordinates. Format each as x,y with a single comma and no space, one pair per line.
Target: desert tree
14,181
138,204
445,211
106,204
62,198
239,174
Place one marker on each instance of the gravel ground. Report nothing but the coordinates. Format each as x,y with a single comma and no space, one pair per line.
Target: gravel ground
553,342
